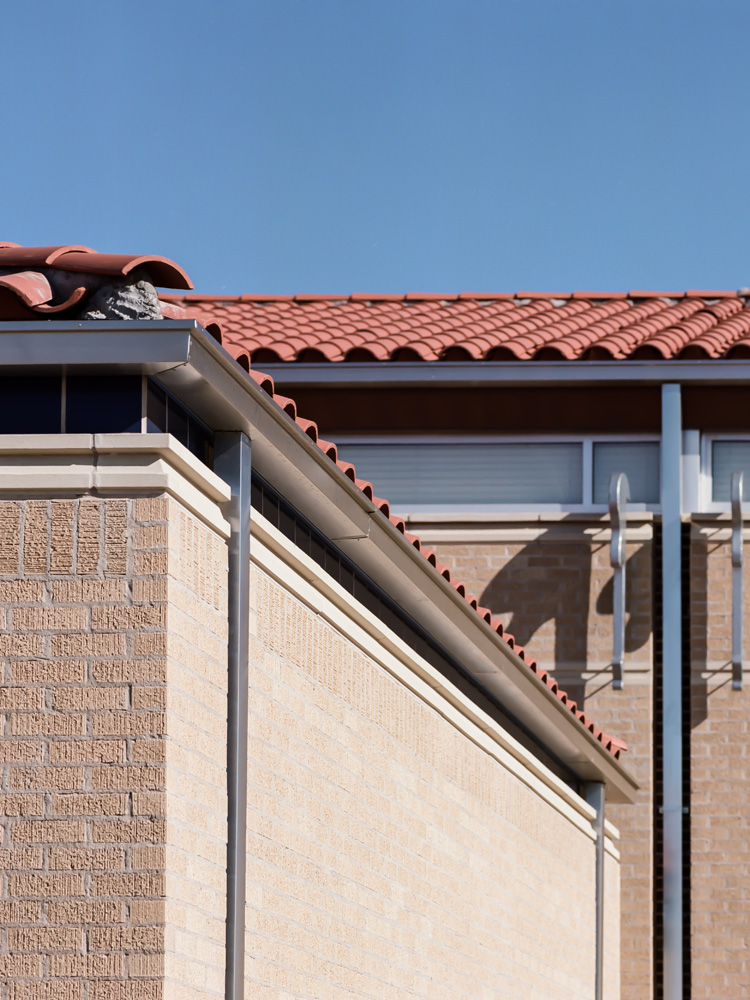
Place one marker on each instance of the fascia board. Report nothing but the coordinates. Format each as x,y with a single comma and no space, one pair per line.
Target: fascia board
83,346
468,374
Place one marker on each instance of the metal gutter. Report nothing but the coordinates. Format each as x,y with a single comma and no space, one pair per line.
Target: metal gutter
619,494
672,806
190,363
737,494
595,798
445,374
232,464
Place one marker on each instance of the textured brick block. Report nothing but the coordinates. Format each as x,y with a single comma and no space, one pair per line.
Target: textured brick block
49,619
19,699
90,866
49,831
40,939
87,751
89,804
57,779
45,886
86,859
86,912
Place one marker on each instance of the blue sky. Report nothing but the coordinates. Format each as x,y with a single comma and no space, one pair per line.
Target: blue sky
286,146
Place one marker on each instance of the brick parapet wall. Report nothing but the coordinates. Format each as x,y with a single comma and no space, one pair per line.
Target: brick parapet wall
93,743
386,851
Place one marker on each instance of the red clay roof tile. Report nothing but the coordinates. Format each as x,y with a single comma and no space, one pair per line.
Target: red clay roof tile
478,326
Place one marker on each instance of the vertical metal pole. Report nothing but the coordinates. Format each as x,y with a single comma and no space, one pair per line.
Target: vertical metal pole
671,516
736,494
595,798
232,464
619,494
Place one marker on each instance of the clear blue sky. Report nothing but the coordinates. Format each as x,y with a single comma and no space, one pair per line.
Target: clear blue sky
386,145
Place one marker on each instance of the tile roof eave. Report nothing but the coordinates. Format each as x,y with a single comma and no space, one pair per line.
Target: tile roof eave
431,574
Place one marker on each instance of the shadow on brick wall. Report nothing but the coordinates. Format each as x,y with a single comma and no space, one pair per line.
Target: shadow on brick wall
697,612
551,581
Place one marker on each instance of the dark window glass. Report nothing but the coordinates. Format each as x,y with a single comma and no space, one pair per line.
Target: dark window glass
318,550
286,522
177,422
302,537
156,409
199,441
30,405
103,405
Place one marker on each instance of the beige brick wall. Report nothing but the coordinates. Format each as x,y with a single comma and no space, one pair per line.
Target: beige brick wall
720,781
112,706
387,853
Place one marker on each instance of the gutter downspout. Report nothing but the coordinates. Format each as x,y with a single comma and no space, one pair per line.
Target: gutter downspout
595,798
232,464
672,807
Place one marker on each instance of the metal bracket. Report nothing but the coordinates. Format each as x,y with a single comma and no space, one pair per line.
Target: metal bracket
736,495
619,494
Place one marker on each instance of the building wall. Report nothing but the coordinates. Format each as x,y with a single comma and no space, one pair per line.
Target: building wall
112,784
551,583
387,852
720,776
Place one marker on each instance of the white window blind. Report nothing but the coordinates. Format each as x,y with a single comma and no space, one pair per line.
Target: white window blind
639,460
728,457
414,474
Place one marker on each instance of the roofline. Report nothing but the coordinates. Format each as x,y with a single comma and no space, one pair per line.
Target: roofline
466,374
189,361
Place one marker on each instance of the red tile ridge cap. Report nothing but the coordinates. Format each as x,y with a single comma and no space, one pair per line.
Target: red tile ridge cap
379,297
314,297
85,260
429,297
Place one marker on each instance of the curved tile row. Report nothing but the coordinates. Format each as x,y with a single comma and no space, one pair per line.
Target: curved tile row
526,327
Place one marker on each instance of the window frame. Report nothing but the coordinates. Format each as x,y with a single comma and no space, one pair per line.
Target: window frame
706,488
587,441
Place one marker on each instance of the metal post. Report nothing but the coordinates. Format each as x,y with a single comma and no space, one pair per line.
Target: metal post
737,484
595,798
232,464
671,516
619,494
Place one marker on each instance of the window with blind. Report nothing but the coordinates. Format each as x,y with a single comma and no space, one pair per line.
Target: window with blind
728,457
459,474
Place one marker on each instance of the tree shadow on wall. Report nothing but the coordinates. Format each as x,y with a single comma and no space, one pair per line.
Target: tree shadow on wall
550,581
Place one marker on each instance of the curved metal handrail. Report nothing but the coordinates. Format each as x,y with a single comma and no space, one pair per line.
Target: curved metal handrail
619,494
